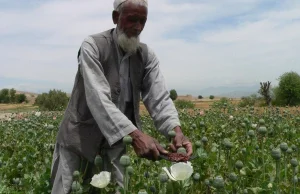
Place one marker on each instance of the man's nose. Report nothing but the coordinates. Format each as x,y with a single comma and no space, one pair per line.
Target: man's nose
138,27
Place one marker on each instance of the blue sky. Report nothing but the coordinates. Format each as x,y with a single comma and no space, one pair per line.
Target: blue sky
200,43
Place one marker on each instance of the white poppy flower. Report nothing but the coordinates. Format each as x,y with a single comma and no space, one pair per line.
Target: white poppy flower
37,114
254,125
270,185
101,180
179,171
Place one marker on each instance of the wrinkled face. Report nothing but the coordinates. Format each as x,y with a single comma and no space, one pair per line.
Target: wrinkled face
132,19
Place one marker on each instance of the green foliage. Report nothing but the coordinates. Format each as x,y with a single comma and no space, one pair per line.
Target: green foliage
227,144
223,103
200,97
55,100
211,97
10,96
173,94
248,100
288,90
4,96
19,98
183,104
265,92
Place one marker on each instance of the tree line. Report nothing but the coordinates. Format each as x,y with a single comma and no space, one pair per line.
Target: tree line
8,96
287,93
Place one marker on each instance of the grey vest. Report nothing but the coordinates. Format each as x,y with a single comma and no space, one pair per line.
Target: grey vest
78,130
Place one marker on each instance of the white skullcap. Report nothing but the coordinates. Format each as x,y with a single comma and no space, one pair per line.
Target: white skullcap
119,2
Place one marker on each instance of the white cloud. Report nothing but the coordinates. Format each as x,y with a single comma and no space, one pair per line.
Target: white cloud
228,42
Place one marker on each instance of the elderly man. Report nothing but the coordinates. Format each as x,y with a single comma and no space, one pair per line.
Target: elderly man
114,68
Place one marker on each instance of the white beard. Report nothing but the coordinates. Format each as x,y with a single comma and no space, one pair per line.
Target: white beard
129,45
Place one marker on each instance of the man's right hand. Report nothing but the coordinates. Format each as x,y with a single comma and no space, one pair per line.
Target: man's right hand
145,146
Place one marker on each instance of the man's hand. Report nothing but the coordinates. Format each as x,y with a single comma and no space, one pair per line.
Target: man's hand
181,141
146,146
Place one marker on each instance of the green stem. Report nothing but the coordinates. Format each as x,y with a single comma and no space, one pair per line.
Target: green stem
164,188
229,161
285,168
86,167
263,159
172,187
181,187
277,175
219,156
125,181
294,184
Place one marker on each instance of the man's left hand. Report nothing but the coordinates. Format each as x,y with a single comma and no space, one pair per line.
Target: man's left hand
181,141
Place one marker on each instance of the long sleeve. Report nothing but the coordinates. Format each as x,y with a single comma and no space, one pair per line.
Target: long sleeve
113,124
157,98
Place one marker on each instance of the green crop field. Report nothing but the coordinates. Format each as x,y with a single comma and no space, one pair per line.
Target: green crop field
239,150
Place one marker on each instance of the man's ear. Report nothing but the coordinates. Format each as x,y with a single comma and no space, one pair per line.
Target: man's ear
115,16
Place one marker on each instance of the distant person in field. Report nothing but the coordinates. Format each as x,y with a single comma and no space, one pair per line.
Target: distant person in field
114,68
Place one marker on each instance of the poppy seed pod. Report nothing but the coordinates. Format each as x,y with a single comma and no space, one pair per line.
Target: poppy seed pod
127,140
125,160
76,186
152,189
16,181
232,177
163,177
294,162
129,170
218,183
20,166
76,174
181,150
244,150
172,134
204,140
251,133
261,121
202,124
198,144
196,176
227,143
284,147
289,151
239,164
276,154
262,130
142,192
206,182
147,163
98,161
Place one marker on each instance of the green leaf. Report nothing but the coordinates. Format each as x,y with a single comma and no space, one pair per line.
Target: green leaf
201,153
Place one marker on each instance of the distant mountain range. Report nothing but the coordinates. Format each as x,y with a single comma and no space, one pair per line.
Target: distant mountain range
224,91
